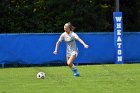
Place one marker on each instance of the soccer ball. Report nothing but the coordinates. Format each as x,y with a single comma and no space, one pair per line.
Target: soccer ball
40,75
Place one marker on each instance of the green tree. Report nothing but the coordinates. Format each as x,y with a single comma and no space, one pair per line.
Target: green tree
41,16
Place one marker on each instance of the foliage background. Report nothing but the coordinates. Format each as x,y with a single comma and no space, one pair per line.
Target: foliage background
48,16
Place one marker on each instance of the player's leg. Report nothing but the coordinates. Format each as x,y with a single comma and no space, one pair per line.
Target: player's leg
70,60
67,59
71,65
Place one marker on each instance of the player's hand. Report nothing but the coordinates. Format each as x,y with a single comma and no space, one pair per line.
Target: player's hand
86,46
55,52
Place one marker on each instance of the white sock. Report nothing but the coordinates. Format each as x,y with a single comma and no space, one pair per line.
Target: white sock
73,67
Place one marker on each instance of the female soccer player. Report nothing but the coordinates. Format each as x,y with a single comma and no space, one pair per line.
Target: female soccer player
72,51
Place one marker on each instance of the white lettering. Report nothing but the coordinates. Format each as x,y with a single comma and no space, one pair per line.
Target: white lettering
119,58
119,45
118,32
119,25
119,39
118,19
119,52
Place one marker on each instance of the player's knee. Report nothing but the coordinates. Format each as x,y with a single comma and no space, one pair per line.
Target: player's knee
69,63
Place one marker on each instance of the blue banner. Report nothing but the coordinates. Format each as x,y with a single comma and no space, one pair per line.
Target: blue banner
38,48
118,37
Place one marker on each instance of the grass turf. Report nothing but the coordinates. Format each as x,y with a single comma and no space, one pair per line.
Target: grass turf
94,79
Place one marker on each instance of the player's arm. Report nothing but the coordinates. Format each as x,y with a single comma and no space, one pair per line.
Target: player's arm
56,47
82,42
58,43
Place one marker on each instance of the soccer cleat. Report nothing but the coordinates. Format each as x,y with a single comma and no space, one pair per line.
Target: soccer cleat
77,75
75,71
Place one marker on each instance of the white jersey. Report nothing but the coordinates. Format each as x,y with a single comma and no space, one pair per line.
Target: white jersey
70,42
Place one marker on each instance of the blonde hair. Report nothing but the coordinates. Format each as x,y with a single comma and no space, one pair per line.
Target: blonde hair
72,28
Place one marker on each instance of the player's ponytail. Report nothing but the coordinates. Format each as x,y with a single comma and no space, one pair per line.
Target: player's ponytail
72,28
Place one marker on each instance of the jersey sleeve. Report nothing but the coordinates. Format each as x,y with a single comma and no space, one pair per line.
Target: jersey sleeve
61,37
75,36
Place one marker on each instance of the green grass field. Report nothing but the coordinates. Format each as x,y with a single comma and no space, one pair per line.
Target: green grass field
94,79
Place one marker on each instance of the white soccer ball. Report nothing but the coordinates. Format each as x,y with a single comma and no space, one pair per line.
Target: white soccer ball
40,75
